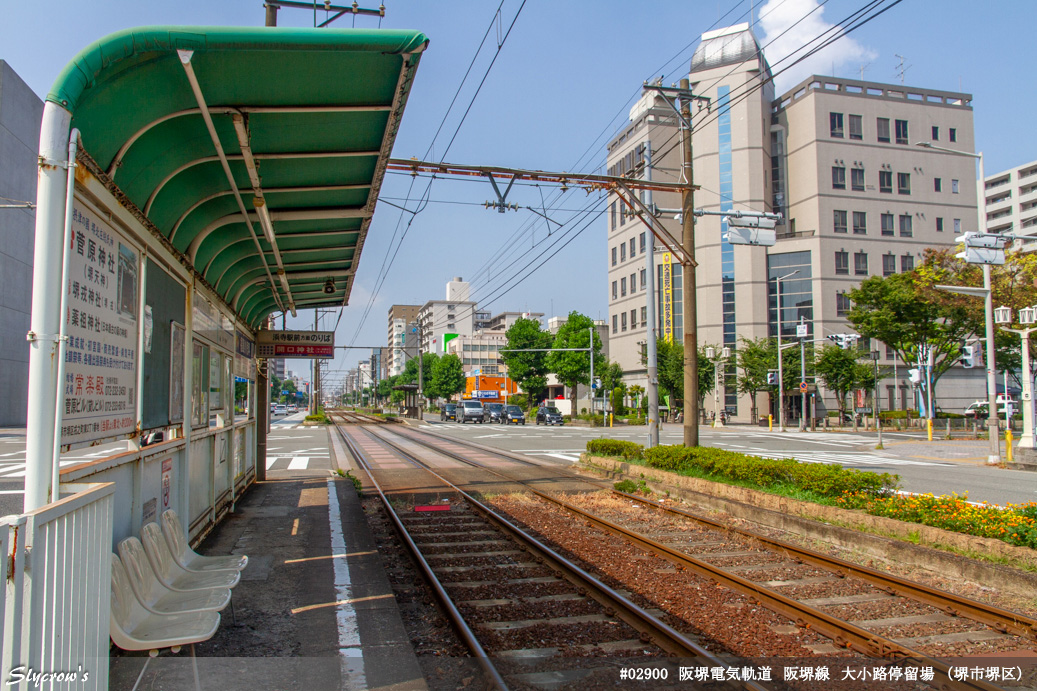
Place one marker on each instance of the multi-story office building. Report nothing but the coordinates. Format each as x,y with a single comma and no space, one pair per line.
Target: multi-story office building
835,157
480,351
440,321
400,317
1011,204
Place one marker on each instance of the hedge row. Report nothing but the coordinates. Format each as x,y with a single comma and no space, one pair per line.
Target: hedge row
825,480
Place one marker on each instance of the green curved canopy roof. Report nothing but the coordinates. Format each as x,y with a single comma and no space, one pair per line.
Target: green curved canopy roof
257,152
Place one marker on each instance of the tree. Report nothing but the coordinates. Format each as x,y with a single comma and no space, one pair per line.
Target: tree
670,359
707,374
527,369
612,381
841,372
907,313
410,373
448,376
573,367
756,358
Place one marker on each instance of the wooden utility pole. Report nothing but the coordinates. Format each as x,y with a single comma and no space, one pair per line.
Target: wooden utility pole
691,339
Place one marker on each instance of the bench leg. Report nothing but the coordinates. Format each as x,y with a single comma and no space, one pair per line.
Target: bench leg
233,616
194,666
141,675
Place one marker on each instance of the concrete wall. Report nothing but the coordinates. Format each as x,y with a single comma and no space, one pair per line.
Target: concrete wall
20,113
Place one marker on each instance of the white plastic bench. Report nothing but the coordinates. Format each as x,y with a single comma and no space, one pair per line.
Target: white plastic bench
172,575
156,597
132,627
176,539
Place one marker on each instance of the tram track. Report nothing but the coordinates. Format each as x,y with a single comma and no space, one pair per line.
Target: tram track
855,588
525,601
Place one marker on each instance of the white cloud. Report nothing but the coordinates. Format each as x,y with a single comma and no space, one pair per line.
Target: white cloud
845,55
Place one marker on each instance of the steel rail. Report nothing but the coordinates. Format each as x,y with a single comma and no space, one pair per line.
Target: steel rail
658,632
455,616
999,619
842,633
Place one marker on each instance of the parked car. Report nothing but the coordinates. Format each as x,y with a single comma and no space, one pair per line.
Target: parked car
549,415
280,409
448,412
495,411
513,414
472,411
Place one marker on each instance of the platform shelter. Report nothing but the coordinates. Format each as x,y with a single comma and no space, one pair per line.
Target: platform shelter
193,181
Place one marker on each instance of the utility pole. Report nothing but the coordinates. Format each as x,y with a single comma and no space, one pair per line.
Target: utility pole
691,363
650,346
802,377
271,14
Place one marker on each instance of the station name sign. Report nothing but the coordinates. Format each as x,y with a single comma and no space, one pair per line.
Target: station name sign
295,344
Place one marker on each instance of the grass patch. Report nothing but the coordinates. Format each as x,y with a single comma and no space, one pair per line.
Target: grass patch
357,484
631,487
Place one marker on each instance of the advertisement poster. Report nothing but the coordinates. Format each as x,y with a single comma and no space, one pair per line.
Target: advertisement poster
667,286
177,349
101,323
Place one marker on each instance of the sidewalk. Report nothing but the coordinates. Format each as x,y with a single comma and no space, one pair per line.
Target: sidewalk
314,608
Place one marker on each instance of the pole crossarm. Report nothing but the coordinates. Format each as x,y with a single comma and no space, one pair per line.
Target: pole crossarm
592,182
641,211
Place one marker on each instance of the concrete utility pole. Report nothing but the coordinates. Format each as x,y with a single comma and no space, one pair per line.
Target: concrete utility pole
650,346
691,342
802,379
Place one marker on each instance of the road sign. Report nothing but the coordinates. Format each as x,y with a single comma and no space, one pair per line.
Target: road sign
803,386
802,330
296,344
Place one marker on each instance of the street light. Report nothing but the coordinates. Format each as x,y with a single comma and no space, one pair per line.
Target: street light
725,353
988,307
781,373
1027,316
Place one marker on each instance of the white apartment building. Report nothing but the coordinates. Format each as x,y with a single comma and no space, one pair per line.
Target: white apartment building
837,158
400,319
1011,204
440,321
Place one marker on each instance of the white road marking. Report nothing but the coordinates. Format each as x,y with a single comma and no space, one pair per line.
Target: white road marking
299,463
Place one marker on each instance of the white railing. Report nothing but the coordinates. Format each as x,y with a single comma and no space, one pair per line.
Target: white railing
57,568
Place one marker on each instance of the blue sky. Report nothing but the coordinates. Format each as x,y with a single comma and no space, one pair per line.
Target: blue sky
561,85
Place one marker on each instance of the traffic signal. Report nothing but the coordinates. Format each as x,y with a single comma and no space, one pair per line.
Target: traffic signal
983,248
844,341
915,375
772,378
837,339
968,356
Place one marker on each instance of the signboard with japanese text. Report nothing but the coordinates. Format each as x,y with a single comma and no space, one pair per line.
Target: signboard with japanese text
244,356
667,286
295,344
101,324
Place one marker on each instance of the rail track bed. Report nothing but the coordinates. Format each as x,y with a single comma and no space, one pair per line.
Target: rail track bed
738,593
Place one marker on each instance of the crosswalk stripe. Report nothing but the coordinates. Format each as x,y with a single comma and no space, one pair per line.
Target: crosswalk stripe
299,463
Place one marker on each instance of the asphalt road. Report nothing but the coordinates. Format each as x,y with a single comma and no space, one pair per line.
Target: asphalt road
940,467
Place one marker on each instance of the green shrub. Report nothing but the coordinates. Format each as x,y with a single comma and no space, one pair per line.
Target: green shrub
826,480
615,447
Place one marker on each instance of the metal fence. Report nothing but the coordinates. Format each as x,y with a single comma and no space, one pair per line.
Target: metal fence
57,571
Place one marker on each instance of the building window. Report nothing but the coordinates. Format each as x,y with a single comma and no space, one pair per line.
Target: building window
937,185
887,224
903,183
623,287
613,256
633,319
835,121
633,252
952,134
939,224
644,315
886,181
612,214
957,225
860,263
623,322
882,129
842,262
615,323
842,304
622,214
907,262
839,221
901,131
642,243
643,276
860,223
889,356
622,251
838,178
905,226
954,186
856,127
936,133
615,290
889,264
633,283
857,179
